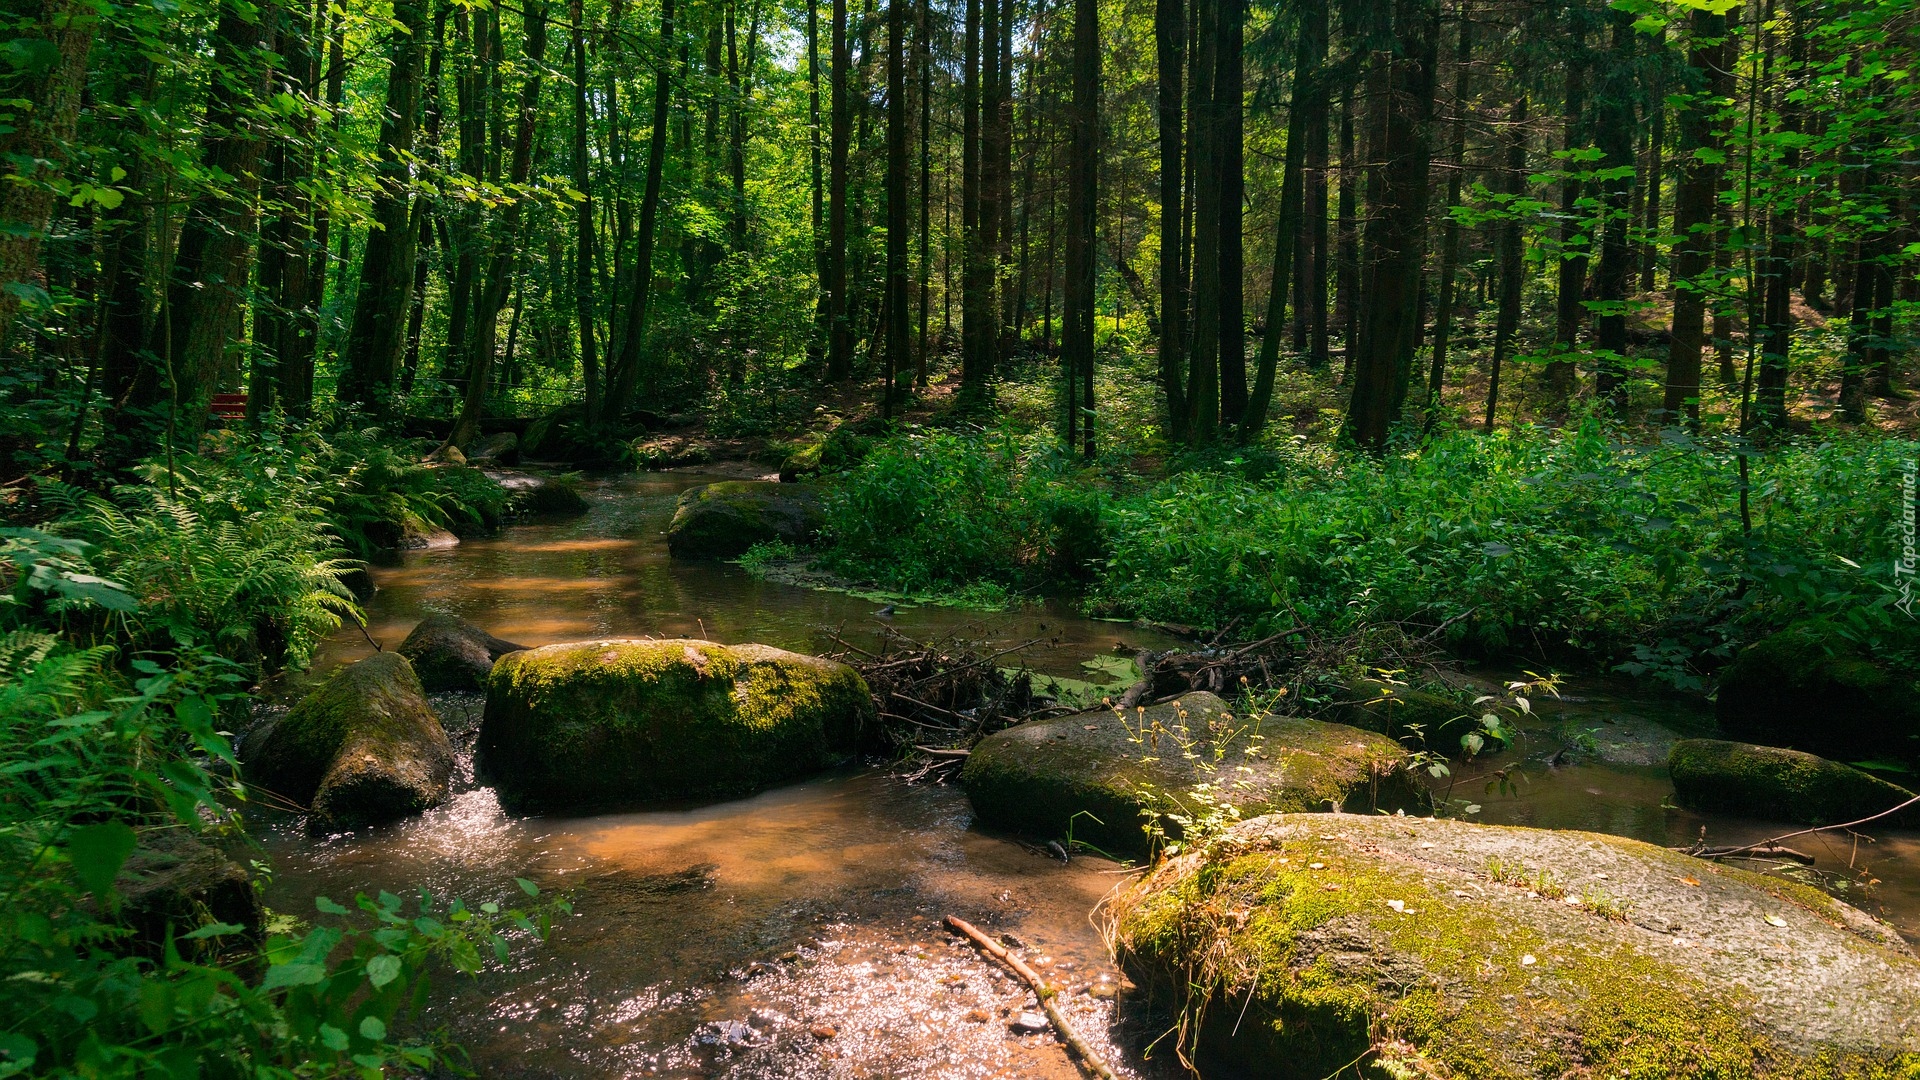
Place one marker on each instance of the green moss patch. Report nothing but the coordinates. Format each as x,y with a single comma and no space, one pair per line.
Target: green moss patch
723,520
1395,947
1769,782
636,721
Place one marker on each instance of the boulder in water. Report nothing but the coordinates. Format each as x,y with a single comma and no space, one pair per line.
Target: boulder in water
1445,949
1770,782
1099,777
1810,689
628,722
363,748
499,448
450,653
539,493
723,520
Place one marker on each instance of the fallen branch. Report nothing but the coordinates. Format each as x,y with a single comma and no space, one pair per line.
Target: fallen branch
1753,851
1090,1060
1771,845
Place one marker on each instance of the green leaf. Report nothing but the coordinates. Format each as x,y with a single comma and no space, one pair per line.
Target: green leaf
212,929
297,974
333,1038
373,1028
383,969
527,887
328,907
97,852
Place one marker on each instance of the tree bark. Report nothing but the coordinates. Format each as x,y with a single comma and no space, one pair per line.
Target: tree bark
624,370
1615,125
839,333
1082,206
899,117
40,143
583,277
1508,254
1450,245
1170,33
1710,72
378,334
1570,296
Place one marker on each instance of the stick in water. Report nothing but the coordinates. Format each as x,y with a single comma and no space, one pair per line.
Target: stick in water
1040,990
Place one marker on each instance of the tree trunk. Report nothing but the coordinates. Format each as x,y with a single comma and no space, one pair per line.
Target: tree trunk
899,117
1777,274
1450,246
378,335
923,59
624,370
207,288
973,241
1570,297
1709,56
1508,253
39,145
1203,380
1614,123
1082,206
822,311
839,334
583,277
1395,236
1170,34
1230,155
1346,269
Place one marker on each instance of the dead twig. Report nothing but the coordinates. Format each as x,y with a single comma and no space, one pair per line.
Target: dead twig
1771,846
1088,1058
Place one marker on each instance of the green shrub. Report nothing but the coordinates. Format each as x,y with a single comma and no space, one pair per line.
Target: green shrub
939,511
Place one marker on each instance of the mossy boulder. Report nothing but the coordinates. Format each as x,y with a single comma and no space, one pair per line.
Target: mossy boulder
539,493
363,748
499,448
1099,777
1441,720
1770,782
450,653
174,883
630,722
1810,689
1423,948
723,520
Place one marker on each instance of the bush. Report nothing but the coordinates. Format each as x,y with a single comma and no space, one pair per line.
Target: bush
940,511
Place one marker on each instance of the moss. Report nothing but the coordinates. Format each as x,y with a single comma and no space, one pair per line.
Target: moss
1809,688
610,722
1766,781
364,747
1292,926
1098,777
723,520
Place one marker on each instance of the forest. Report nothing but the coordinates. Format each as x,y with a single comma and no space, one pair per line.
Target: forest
1122,538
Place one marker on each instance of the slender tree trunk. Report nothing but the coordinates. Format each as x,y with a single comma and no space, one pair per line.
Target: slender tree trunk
899,118
1508,253
583,277
1450,245
624,371
1570,298
1656,150
1082,207
923,60
1231,155
840,335
1310,50
1615,123
1396,227
1777,275
973,287
1170,34
378,335
822,305
1203,380
1347,258
1316,210
1709,63
498,282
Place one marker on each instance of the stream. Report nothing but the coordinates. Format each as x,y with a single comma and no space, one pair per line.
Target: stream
797,933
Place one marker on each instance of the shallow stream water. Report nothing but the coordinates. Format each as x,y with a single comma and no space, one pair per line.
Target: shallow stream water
798,933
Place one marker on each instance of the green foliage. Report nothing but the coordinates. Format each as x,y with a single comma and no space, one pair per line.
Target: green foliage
941,510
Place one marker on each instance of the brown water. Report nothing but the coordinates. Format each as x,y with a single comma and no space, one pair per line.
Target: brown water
797,933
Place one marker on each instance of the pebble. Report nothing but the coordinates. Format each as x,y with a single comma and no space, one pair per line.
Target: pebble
1102,990
978,1016
1028,1022
823,1031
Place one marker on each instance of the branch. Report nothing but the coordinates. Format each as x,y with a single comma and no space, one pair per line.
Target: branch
1041,990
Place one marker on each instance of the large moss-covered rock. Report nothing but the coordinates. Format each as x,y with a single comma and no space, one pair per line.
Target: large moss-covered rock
539,493
1424,948
1814,690
363,748
723,520
597,723
173,884
1769,782
450,653
1099,777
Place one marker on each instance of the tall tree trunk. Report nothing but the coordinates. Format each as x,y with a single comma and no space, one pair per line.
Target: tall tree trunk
1203,380
207,288
973,241
1082,207
822,311
1709,63
899,118
1570,297
1615,124
1656,151
378,334
839,333
1777,274
583,277
1310,51
1450,245
1230,160
1346,270
923,61
624,370
1315,175
1395,236
38,145
1170,34
498,282
1508,254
